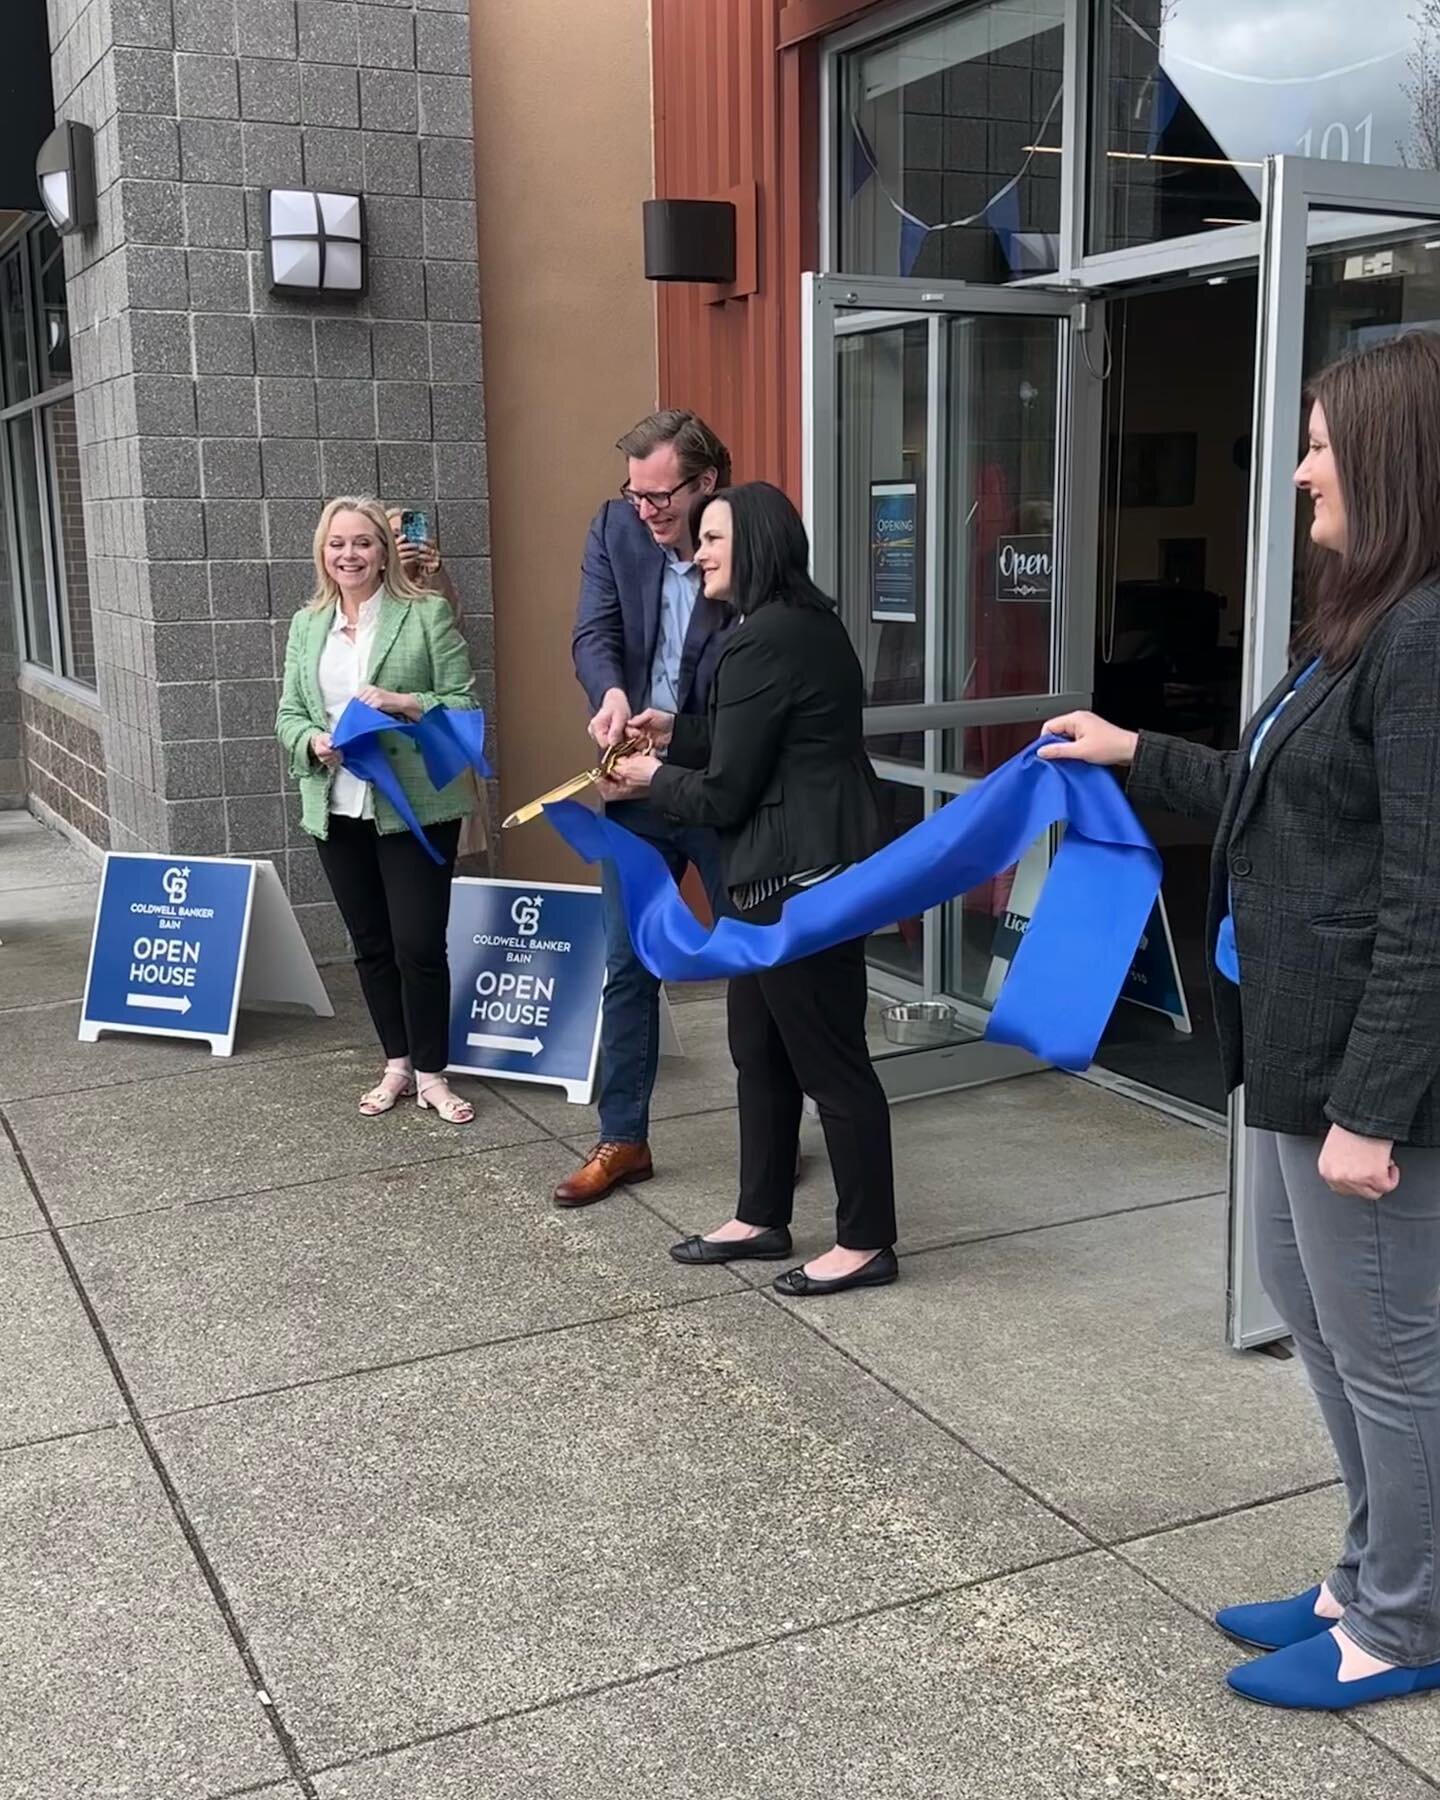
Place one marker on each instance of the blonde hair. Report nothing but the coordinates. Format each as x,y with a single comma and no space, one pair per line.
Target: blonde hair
395,584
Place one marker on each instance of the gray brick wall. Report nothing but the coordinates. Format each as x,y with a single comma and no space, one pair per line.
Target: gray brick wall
213,417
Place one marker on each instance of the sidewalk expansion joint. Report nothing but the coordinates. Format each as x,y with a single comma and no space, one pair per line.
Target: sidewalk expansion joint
1092,1539
766,1640
64,1437
1222,1512
1347,1720
471,1348
458,1155
259,1687
1095,1218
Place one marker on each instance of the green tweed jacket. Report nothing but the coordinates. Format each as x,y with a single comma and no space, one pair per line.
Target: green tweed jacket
417,650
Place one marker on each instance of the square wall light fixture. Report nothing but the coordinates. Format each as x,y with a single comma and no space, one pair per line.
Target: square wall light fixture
315,243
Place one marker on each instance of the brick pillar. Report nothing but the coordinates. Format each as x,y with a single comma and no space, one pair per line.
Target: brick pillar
213,418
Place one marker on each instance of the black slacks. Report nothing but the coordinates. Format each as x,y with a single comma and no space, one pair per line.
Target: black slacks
797,1030
396,904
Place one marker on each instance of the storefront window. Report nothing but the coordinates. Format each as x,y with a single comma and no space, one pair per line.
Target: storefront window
949,136
44,542
1191,96
39,640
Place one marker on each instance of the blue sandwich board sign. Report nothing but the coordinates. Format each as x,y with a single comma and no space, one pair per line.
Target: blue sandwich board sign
168,951
527,970
180,942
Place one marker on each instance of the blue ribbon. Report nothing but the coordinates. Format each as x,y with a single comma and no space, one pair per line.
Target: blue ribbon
1072,961
449,743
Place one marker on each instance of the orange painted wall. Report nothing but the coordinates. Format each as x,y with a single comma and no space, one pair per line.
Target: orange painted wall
563,166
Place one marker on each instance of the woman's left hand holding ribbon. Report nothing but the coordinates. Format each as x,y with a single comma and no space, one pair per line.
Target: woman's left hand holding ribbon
406,706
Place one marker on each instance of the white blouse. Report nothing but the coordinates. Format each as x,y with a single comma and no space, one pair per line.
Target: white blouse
344,670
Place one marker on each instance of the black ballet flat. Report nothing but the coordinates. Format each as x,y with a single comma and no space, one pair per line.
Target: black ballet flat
767,1246
880,1271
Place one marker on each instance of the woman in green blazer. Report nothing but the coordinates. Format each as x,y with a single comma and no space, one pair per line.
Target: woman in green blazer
370,633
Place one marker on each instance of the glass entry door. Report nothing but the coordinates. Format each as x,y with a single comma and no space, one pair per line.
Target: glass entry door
952,484
1350,256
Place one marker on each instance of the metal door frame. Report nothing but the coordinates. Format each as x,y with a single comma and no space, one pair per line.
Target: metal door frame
837,306
1294,189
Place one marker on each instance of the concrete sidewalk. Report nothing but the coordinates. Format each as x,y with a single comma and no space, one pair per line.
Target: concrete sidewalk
334,1462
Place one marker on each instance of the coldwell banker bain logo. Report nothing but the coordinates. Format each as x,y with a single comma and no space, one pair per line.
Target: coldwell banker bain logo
526,914
176,883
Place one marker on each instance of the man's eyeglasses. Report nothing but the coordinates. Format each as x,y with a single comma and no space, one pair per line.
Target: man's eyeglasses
657,501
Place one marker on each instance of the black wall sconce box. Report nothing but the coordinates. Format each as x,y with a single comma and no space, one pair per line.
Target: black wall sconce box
690,240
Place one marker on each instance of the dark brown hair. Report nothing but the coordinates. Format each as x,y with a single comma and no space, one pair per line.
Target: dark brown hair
696,445
769,548
1382,413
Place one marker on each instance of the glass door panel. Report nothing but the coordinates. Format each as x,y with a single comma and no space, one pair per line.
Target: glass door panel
1316,302
945,493
1004,416
882,378
897,952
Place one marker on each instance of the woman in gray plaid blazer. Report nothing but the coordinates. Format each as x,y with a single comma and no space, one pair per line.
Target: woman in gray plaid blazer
1325,916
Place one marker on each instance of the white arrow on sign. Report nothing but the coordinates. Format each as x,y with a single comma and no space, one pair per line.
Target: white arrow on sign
482,1040
160,1002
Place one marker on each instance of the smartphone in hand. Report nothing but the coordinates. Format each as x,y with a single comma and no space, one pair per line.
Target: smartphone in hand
415,526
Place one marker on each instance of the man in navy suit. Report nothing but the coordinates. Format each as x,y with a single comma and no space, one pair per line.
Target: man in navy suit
645,635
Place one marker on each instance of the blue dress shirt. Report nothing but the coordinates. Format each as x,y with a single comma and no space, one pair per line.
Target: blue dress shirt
678,594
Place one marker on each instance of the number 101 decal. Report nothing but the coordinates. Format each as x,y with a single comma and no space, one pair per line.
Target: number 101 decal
1336,141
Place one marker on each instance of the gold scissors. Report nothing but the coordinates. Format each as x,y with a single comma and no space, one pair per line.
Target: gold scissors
577,784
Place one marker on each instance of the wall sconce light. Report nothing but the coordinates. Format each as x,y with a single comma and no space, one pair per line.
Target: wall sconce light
315,243
65,169
690,240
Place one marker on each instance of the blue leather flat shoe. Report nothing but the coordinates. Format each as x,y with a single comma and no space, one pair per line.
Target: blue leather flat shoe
1274,1624
1306,1677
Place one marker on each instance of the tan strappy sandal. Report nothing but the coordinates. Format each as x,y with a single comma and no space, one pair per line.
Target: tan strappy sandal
382,1097
452,1108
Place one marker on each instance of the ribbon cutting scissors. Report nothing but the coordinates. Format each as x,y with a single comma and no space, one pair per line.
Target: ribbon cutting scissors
577,784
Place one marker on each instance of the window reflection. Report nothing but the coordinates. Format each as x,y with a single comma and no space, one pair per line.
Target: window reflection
43,553
52,310
30,535
16,363
1191,96
950,146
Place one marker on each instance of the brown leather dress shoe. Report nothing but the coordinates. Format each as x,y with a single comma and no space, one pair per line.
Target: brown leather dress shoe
607,1167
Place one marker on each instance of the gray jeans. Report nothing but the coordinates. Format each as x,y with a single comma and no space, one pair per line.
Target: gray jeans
1358,1283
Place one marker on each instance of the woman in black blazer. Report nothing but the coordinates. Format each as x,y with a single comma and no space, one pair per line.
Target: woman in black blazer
1325,917
779,770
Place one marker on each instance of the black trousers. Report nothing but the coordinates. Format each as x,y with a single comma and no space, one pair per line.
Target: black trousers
797,1030
396,903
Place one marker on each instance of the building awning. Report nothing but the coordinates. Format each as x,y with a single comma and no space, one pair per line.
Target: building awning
27,111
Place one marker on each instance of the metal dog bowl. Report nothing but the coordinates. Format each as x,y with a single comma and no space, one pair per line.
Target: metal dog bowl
920,1022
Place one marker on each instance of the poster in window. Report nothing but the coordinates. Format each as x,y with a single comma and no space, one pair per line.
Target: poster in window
894,552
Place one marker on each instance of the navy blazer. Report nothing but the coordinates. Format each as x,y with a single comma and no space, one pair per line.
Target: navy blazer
617,622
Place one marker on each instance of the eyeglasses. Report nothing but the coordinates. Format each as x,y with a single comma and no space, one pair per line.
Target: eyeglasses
659,501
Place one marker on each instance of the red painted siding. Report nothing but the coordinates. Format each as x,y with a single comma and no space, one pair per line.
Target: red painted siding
732,108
